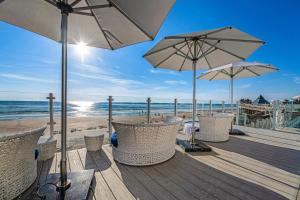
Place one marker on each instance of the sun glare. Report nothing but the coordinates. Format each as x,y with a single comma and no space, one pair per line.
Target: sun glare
82,50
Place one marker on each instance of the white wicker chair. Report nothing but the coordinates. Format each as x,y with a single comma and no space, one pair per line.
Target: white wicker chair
145,144
18,167
214,127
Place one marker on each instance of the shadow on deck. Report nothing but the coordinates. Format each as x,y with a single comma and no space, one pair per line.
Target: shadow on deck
185,176
280,157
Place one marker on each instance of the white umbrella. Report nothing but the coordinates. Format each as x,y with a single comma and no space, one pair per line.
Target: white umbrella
109,24
237,70
202,50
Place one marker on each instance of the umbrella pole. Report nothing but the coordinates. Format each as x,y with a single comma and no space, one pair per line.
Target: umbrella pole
64,183
194,99
231,90
231,106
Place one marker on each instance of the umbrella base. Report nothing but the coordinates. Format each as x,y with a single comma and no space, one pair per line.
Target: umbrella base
79,188
236,132
196,147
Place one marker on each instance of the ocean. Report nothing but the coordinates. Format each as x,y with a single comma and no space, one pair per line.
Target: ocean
11,110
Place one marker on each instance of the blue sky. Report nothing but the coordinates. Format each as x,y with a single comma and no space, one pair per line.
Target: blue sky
30,64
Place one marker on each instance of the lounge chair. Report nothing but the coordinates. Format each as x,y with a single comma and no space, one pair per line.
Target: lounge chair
145,144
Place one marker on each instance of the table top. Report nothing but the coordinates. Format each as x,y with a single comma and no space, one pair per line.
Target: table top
94,133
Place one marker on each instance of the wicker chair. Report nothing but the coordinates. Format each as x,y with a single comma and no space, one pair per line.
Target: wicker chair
214,127
18,167
145,144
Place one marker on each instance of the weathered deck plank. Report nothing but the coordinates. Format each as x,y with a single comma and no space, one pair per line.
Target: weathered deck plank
101,190
262,165
53,164
156,189
248,175
134,186
74,160
115,184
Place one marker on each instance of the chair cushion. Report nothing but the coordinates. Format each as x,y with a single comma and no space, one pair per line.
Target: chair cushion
114,139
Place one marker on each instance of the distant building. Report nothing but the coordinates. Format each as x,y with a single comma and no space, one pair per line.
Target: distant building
260,100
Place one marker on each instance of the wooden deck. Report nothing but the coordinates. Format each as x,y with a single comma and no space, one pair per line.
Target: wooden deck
263,165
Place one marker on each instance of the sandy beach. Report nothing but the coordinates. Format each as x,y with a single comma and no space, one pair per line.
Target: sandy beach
77,127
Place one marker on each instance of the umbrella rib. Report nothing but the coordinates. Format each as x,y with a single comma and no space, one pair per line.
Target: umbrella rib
82,13
51,2
150,53
183,62
228,52
218,30
200,47
267,67
239,71
235,40
111,47
131,20
207,59
75,3
225,72
183,54
207,51
198,36
189,47
92,7
215,75
168,57
252,72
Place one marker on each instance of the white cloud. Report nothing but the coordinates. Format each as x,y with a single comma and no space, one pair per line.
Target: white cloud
159,88
109,78
25,78
156,71
86,68
297,79
175,82
245,86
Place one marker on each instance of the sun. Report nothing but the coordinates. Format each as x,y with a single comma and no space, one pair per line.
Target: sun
82,50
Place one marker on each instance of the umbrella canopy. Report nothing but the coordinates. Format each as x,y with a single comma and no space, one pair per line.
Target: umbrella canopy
260,100
202,50
237,70
210,49
109,24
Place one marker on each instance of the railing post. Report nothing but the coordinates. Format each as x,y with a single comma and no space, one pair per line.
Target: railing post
274,120
223,106
196,107
148,109
175,107
245,119
237,113
51,122
210,106
110,100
